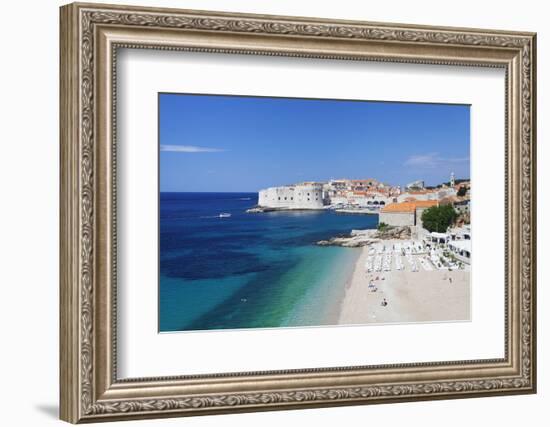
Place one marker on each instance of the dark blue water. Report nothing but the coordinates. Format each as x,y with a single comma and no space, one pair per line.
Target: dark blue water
249,270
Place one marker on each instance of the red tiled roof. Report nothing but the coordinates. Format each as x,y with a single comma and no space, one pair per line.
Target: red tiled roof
409,206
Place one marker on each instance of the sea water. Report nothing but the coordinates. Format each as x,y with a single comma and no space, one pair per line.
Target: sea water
259,270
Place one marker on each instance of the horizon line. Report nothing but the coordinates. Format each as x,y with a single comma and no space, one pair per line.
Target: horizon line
256,191
283,185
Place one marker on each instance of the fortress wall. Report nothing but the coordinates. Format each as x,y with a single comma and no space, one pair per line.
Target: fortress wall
396,218
292,197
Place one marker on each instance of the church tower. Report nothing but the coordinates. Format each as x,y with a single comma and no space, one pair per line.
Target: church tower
452,179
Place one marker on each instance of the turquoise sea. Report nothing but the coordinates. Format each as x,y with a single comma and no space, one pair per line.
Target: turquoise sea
249,270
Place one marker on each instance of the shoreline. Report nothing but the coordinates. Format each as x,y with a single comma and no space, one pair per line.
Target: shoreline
335,310
342,211
421,296
320,305
261,209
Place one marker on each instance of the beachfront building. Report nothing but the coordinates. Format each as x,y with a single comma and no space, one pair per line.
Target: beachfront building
457,240
460,233
307,195
405,213
462,249
436,237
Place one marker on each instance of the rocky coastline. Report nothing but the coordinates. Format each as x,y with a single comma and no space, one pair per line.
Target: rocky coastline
360,238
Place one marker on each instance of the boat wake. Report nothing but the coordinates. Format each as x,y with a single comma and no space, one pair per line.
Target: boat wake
221,215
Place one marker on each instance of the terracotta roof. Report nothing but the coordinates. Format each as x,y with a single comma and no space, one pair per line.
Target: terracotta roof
426,203
410,207
399,207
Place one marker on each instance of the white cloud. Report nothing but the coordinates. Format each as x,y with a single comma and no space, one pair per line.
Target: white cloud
433,160
189,149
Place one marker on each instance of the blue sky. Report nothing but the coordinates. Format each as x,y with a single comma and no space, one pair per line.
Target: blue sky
232,143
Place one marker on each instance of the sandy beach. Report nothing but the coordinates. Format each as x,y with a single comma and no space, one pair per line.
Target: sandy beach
412,296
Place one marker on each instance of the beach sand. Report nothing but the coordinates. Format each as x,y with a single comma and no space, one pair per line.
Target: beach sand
422,296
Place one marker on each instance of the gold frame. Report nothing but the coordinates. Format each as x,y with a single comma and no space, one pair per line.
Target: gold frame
90,36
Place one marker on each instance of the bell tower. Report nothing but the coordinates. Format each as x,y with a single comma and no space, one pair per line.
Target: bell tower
452,179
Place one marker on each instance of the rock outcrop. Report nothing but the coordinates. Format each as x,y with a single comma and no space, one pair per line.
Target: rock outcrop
389,233
359,238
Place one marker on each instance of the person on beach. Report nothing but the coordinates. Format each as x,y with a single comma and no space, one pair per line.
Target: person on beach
384,303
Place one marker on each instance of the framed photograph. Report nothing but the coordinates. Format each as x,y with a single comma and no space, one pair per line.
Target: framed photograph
266,212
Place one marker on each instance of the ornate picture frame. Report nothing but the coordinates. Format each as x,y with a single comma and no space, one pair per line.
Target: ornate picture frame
90,37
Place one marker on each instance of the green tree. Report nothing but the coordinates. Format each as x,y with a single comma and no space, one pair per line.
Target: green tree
438,218
461,191
383,226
